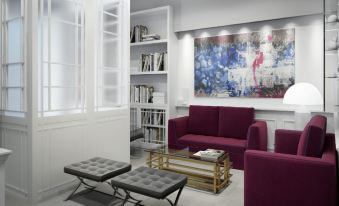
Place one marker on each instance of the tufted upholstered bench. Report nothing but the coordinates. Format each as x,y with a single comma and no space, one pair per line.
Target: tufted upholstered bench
96,169
150,182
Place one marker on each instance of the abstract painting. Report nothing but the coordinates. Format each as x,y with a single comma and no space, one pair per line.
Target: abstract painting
257,64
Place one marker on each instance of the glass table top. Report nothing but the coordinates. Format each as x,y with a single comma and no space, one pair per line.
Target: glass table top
188,152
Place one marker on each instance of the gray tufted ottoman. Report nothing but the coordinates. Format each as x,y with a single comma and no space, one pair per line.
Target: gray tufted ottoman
150,182
96,169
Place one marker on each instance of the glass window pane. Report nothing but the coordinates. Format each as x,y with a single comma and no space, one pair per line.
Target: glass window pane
110,6
110,79
14,41
62,75
110,51
63,43
14,99
13,8
110,23
110,96
65,98
14,76
63,10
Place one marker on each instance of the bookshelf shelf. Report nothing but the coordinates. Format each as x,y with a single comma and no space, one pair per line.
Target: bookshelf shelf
146,43
149,105
149,73
154,126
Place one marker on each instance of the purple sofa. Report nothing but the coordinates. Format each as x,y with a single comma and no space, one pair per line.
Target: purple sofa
302,171
232,129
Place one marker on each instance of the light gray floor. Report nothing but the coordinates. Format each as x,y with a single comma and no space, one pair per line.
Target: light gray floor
233,195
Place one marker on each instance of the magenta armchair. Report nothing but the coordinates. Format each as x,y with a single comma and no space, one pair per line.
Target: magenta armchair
288,178
232,129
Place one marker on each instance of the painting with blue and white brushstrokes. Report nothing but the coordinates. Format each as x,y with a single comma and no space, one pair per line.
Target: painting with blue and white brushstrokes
257,64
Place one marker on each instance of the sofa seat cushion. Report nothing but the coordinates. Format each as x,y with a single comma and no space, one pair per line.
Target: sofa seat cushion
203,120
235,121
231,145
312,139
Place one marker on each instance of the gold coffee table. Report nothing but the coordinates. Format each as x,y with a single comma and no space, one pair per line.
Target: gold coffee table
211,175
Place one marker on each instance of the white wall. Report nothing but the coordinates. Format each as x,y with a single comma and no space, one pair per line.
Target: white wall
308,59
197,14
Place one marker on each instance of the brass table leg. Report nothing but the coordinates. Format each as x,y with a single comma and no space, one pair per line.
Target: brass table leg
215,178
150,160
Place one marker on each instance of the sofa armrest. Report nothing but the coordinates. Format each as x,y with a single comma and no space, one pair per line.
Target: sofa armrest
286,141
284,179
257,136
176,128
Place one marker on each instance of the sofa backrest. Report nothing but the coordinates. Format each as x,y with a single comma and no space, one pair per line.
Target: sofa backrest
312,139
203,120
235,121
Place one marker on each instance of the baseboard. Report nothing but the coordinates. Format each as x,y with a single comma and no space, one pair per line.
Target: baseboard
17,192
56,189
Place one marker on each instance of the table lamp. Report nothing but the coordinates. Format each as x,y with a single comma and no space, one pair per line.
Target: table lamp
303,95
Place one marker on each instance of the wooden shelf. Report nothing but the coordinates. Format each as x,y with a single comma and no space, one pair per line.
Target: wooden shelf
148,73
161,41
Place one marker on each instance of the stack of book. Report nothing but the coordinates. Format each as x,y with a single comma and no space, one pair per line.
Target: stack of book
138,32
209,154
158,97
150,37
153,135
153,62
152,117
141,93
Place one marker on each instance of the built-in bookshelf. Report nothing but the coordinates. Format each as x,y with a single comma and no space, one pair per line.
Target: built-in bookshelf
152,44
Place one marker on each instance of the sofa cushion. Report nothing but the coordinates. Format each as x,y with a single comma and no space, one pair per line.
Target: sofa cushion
312,139
235,121
203,120
231,145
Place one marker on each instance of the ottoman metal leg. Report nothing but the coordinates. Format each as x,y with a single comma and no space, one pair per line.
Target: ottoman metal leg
90,187
128,196
72,193
176,199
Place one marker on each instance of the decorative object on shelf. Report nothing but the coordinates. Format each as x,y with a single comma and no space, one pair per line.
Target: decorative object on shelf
257,64
158,97
153,62
331,18
150,37
137,32
302,95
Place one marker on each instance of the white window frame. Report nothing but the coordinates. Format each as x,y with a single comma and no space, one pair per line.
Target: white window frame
5,62
100,88
78,66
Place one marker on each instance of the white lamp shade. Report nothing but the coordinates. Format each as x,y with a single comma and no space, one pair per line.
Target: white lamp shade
303,94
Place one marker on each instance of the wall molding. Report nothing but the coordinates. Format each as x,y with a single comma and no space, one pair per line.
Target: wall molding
16,191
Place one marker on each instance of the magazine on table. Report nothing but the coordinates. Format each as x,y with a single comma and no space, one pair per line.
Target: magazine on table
209,154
